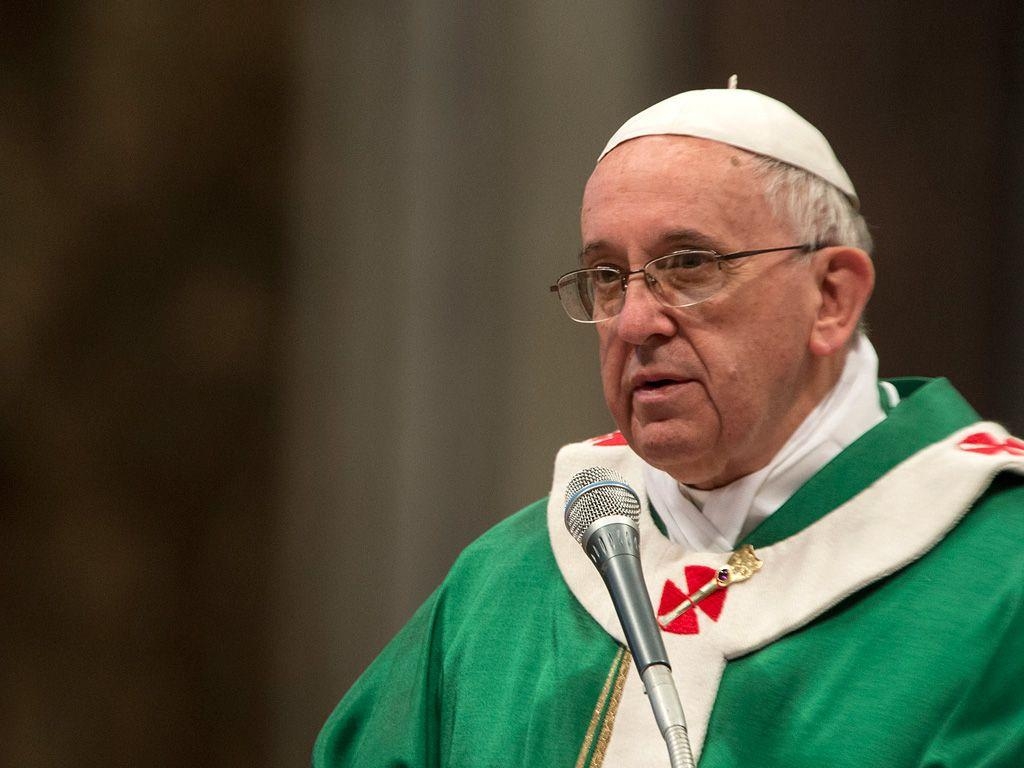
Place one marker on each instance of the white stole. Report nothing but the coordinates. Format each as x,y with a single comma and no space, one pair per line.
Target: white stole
890,524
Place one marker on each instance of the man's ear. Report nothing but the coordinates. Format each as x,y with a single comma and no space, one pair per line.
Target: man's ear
846,277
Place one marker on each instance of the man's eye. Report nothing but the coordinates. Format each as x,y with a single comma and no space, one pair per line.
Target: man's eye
685,260
606,276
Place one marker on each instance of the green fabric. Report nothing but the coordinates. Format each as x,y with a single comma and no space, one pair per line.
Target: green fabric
502,667
925,668
489,672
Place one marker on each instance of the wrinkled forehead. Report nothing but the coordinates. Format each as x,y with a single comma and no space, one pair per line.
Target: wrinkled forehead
677,158
651,186
667,170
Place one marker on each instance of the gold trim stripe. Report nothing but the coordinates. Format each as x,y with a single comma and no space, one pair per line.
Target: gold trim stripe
609,715
604,712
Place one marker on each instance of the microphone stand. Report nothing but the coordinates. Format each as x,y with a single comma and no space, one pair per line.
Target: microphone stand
668,712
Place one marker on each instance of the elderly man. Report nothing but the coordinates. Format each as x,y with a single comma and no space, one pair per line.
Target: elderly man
725,267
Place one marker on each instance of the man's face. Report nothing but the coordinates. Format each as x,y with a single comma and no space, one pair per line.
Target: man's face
711,392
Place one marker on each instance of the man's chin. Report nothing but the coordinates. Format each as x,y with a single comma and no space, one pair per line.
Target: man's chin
687,457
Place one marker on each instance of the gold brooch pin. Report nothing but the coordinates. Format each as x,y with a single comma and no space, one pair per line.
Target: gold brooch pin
743,564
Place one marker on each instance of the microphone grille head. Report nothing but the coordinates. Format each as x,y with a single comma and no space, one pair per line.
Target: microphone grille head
595,493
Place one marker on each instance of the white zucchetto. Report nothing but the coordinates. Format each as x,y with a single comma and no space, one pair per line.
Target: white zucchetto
745,119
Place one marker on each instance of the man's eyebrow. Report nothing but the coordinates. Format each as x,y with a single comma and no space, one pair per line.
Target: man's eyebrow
598,245
690,238
673,239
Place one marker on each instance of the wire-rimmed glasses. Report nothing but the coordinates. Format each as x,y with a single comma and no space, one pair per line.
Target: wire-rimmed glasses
678,279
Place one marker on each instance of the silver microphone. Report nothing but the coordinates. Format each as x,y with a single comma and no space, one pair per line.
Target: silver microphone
602,513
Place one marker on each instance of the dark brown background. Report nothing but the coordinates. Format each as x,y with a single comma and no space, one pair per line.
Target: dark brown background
155,231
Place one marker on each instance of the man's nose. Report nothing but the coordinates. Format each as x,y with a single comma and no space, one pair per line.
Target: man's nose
642,315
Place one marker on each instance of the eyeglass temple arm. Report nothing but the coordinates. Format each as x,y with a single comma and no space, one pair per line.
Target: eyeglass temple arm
805,247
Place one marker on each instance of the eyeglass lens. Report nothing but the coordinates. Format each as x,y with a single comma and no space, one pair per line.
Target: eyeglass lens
678,279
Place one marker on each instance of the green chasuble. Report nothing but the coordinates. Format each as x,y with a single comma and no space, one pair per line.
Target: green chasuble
885,628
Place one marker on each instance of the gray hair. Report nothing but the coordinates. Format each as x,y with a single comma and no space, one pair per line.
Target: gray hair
817,211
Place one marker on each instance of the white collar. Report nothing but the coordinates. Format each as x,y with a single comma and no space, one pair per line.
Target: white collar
714,521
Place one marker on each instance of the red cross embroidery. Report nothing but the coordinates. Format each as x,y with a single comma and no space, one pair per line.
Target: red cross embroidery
671,596
612,438
988,444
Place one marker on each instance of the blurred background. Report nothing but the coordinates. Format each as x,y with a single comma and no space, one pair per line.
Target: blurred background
275,334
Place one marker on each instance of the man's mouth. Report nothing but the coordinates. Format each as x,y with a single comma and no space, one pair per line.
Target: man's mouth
657,384
654,387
